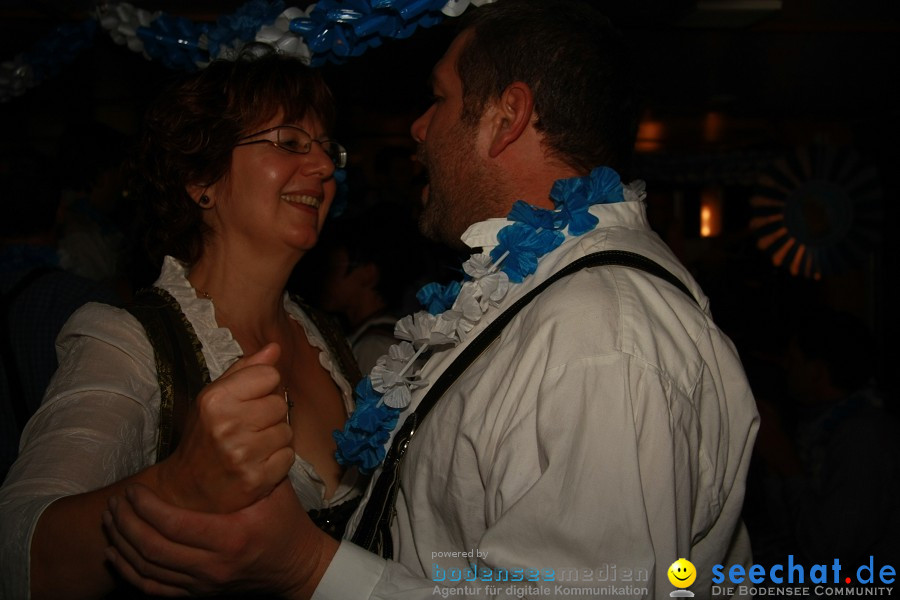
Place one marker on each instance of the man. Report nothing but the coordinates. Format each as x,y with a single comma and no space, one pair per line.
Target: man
842,457
362,270
605,434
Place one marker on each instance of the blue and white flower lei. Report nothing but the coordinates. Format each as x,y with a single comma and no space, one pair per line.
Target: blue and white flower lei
453,310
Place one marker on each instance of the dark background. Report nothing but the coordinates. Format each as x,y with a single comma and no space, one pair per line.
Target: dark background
729,86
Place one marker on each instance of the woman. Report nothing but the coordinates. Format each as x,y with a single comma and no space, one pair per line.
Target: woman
238,170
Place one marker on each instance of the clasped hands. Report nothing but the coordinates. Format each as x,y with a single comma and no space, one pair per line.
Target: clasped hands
223,516
237,445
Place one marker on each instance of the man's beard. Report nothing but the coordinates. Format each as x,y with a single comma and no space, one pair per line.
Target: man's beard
460,192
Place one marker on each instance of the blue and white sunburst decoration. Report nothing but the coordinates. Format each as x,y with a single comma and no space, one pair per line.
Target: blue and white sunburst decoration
817,212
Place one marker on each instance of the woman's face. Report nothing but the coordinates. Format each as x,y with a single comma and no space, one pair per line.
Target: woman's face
271,197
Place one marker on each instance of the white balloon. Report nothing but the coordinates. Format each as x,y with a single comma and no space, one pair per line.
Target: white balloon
122,21
454,8
269,34
283,21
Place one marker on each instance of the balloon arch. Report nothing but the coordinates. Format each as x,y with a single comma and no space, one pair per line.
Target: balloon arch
327,31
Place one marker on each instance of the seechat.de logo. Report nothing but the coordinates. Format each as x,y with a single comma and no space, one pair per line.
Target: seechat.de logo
792,578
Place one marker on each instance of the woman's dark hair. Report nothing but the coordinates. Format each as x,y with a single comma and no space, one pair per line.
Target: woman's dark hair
576,64
191,129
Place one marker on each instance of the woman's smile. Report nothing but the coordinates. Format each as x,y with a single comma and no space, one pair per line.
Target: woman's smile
304,199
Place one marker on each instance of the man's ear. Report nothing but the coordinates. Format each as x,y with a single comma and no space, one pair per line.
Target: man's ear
512,115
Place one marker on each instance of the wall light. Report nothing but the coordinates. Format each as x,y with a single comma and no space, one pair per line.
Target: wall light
710,212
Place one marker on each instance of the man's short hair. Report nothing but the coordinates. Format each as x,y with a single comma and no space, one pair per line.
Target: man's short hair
577,65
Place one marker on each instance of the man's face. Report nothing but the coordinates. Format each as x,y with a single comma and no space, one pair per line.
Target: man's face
461,188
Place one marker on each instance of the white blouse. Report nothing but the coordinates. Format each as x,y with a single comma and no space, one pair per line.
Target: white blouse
99,419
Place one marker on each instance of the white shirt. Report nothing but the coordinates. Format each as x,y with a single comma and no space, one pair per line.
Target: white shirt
608,430
99,419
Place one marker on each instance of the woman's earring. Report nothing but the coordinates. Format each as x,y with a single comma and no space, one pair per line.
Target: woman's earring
204,200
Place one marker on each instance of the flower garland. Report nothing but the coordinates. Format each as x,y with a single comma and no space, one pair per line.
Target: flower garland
453,310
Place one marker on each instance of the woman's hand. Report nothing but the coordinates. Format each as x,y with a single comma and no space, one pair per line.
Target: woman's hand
237,445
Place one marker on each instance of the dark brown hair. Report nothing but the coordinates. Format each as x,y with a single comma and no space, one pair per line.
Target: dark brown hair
190,131
576,64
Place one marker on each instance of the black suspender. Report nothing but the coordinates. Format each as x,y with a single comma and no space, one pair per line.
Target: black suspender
374,530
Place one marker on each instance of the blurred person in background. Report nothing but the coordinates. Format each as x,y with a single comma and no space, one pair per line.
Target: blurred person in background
37,293
831,482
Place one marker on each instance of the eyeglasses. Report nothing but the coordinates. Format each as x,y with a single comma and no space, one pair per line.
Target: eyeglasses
296,141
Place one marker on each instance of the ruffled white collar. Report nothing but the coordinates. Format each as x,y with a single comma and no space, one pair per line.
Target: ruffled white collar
221,350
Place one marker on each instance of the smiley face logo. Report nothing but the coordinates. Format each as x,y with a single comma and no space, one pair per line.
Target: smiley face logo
682,573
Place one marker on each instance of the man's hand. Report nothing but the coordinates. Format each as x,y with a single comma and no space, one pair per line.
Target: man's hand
237,445
270,546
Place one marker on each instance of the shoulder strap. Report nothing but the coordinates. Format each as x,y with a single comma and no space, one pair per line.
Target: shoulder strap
374,530
13,381
180,366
